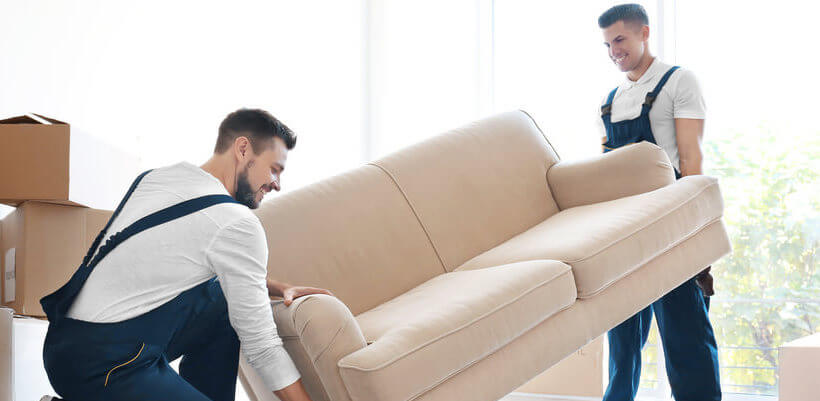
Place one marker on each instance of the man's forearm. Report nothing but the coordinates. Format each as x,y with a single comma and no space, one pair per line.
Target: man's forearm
691,161
689,135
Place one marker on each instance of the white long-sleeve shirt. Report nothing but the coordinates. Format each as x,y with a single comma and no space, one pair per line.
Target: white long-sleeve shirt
152,267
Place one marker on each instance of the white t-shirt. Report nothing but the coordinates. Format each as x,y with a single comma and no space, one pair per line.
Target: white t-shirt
151,268
681,97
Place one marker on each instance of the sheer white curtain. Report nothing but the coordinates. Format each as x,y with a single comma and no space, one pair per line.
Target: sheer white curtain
551,61
424,69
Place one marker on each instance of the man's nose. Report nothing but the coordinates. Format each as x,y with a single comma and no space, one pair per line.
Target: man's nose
274,182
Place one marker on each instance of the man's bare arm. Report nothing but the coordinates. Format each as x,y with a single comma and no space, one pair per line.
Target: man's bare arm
689,133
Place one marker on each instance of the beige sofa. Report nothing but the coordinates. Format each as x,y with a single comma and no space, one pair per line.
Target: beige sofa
465,265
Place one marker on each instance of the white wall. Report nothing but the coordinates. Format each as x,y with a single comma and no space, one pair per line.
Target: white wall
156,77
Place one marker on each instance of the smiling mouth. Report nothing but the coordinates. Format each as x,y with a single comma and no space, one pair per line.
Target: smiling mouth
619,60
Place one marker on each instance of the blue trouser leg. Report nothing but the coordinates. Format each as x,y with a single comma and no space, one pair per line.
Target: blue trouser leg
212,368
156,382
128,361
689,344
210,351
625,343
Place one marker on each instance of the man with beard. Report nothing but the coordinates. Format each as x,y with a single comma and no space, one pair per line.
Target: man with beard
181,272
663,105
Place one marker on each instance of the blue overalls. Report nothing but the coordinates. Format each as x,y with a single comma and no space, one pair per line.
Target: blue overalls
128,360
688,340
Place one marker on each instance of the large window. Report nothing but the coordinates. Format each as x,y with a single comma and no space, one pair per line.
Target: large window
755,64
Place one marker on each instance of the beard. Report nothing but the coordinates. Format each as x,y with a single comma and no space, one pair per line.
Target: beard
244,193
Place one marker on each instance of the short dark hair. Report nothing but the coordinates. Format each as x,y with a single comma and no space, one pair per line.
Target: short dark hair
624,12
258,125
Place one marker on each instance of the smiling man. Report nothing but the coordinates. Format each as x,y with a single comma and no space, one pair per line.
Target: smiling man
181,273
663,105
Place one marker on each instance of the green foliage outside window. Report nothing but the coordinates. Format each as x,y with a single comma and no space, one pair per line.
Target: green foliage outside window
768,288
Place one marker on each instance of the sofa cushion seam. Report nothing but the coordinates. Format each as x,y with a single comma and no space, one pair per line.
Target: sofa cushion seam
332,341
636,231
429,388
532,120
415,213
653,257
457,329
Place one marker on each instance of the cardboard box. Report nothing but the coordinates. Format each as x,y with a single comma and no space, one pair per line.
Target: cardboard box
42,246
799,365
22,375
40,159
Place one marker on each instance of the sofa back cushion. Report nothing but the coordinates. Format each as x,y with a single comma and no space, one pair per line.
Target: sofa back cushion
476,186
353,234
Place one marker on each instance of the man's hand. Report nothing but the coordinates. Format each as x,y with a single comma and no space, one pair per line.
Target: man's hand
294,292
291,292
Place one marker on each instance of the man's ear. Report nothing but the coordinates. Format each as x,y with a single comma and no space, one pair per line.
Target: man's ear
645,33
241,147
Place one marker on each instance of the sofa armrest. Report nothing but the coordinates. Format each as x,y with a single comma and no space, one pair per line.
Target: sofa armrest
630,170
318,330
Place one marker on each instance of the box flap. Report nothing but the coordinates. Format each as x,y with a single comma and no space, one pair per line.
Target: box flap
32,118
49,119
18,202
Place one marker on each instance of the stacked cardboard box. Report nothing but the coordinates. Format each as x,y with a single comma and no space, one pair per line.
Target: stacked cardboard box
51,176
42,246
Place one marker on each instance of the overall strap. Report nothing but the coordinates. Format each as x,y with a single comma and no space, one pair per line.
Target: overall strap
160,217
651,96
56,305
607,108
101,235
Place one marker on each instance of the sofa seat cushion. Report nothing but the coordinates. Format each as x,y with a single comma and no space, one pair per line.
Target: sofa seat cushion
604,242
446,324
